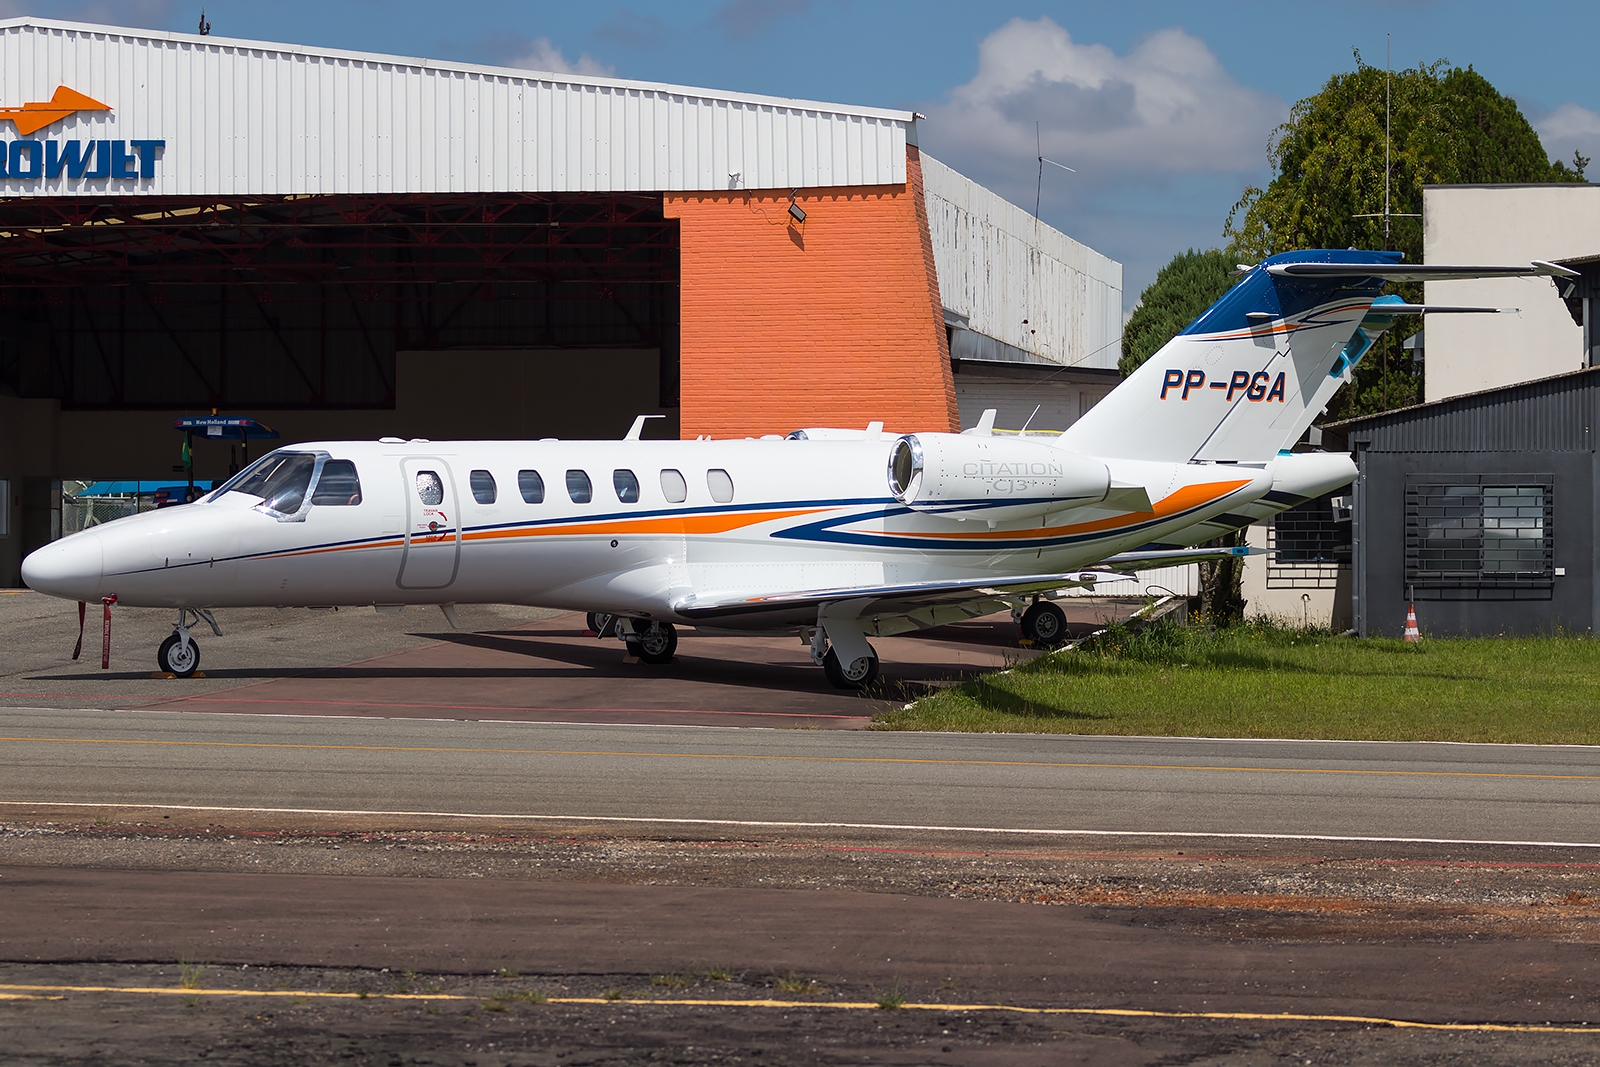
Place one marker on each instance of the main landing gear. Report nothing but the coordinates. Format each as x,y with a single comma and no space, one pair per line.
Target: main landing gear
841,650
1044,624
178,654
647,640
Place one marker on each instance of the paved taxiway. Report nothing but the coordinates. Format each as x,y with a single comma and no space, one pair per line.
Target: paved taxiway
515,664
1486,793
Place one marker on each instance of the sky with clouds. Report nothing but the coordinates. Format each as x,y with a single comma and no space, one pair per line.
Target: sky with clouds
1162,108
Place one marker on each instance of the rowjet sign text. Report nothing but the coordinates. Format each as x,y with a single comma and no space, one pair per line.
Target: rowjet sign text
27,160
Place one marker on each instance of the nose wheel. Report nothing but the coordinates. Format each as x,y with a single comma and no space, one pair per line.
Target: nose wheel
178,654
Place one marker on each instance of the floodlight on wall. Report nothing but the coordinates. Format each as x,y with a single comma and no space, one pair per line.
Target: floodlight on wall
796,212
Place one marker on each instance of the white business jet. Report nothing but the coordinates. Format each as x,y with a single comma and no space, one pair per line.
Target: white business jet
829,534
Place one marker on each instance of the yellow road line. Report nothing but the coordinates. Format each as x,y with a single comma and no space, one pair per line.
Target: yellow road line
774,758
846,1005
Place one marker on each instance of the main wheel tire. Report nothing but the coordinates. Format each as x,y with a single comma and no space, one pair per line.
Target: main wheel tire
599,623
860,674
1045,624
175,657
656,641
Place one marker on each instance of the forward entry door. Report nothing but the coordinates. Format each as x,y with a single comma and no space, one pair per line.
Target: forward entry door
432,553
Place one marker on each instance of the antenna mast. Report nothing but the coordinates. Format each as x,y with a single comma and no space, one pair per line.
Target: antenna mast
1386,215
1388,95
1038,145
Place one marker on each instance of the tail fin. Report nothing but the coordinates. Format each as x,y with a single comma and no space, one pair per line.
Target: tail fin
1238,383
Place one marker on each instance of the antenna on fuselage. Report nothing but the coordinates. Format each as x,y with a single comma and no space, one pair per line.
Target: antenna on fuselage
637,429
1024,431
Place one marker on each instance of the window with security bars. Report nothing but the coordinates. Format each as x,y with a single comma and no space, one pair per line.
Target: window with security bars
1307,544
1486,537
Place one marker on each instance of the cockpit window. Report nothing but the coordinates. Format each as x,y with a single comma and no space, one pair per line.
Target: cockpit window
338,485
280,479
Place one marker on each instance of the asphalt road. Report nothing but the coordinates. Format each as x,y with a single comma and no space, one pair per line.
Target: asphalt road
1435,792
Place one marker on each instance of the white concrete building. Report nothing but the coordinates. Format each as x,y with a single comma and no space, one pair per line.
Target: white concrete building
1513,224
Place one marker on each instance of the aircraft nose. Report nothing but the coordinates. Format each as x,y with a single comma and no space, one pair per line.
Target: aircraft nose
68,568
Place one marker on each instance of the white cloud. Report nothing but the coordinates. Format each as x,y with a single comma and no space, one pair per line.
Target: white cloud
1570,127
1164,108
539,54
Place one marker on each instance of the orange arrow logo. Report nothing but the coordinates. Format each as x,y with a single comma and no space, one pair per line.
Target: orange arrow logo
38,114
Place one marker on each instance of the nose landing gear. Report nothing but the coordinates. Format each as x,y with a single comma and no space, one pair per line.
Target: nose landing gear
178,654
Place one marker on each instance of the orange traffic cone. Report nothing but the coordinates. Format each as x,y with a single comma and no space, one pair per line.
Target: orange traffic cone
1412,633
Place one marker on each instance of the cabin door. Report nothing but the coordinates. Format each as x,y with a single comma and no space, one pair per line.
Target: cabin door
432,553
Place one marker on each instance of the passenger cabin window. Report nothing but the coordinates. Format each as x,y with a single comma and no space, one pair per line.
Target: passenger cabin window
531,486
430,488
626,483
280,480
673,487
338,486
720,484
579,488
482,483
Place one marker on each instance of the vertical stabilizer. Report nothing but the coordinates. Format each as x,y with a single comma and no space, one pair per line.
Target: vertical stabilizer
1238,384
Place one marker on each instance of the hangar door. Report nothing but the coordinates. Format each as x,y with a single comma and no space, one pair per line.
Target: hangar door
304,303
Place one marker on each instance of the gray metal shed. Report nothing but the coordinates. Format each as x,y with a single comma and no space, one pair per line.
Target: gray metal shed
1480,509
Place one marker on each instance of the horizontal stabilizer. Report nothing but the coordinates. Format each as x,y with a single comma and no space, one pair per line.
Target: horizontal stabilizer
1438,309
1424,272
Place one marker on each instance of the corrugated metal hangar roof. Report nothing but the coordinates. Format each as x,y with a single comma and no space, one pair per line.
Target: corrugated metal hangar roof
185,115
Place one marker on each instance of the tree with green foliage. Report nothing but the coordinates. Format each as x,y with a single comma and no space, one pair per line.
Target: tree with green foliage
1185,287
1447,126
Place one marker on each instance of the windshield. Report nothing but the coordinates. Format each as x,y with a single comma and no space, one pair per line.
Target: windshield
280,479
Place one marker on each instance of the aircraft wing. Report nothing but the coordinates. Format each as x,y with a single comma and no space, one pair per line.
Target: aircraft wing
979,595
1153,558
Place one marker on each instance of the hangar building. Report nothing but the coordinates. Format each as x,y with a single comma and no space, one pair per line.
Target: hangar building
351,245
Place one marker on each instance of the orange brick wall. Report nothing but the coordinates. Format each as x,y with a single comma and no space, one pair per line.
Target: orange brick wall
832,322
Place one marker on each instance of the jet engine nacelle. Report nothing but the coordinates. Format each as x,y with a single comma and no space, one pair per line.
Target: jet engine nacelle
997,479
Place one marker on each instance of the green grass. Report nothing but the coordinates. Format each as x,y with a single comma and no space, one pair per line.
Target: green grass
892,998
1261,680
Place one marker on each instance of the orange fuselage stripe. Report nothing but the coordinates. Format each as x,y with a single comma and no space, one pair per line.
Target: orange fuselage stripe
1190,496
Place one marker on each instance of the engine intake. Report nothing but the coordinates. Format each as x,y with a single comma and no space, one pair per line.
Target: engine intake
993,478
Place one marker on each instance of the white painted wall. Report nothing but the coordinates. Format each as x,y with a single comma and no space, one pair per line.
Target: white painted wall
1293,607
1060,401
1512,224
248,117
998,266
